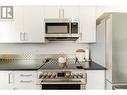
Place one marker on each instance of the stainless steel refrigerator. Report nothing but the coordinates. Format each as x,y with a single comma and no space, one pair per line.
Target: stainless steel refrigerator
113,27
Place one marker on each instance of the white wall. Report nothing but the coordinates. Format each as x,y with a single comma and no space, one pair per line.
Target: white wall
67,47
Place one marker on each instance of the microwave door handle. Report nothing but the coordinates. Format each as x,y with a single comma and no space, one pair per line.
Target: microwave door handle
69,27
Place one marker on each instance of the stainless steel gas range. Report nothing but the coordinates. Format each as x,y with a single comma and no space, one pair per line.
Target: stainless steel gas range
50,76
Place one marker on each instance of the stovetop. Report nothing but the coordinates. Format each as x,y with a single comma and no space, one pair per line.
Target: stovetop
56,66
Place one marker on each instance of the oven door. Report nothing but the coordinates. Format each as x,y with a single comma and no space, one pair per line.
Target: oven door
62,86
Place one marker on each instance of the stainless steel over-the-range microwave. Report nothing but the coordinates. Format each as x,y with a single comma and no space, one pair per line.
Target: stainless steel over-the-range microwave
61,27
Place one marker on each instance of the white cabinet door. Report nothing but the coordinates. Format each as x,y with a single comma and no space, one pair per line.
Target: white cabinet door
6,80
25,80
61,12
95,79
70,11
51,11
33,24
11,29
87,25
25,77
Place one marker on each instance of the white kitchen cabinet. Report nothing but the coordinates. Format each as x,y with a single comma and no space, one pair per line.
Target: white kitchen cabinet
70,11
87,25
33,24
25,80
6,80
61,12
95,80
51,12
25,27
19,80
11,29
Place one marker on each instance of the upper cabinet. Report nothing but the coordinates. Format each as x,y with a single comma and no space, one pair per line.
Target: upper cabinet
11,29
70,11
87,25
61,12
86,15
25,27
33,24
51,12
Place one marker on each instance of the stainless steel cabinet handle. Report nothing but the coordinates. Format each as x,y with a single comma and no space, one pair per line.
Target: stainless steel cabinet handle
24,36
23,75
70,27
9,78
59,13
63,13
21,36
86,77
80,35
24,81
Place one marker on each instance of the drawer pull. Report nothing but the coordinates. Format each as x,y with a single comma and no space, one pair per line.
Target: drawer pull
22,81
26,75
86,77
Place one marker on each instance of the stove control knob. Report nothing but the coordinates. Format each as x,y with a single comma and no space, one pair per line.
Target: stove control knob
43,77
45,74
72,75
49,74
75,76
67,75
81,75
53,75
40,76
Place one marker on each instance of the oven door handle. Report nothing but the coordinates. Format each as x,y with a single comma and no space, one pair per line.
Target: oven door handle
59,82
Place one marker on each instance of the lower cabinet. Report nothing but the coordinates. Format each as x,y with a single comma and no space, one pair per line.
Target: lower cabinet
6,80
95,80
25,80
19,80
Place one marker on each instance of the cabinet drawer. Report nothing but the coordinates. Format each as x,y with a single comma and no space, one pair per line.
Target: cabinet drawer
25,74
25,81
25,77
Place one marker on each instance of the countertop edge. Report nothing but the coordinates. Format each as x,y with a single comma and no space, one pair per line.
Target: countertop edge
95,66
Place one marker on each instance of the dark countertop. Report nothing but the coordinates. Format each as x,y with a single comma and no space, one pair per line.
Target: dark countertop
29,67
20,64
18,69
95,66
